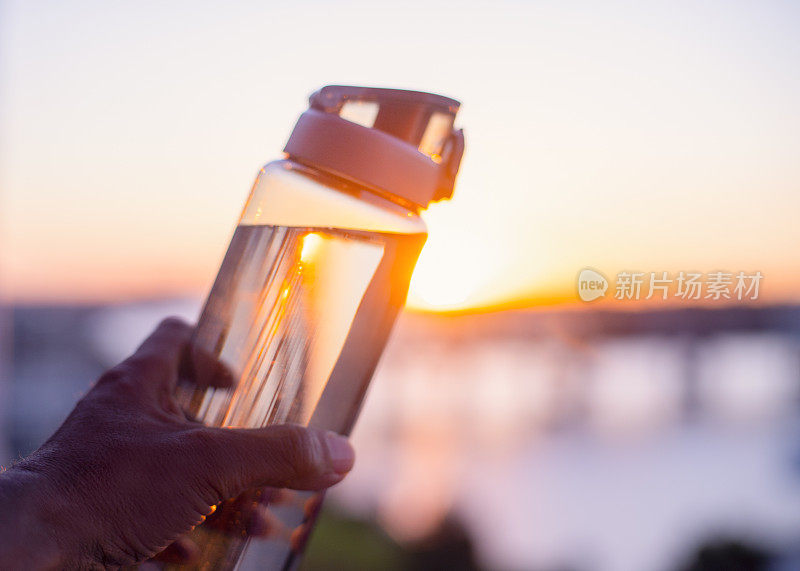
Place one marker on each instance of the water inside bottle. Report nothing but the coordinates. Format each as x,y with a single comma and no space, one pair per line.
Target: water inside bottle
299,317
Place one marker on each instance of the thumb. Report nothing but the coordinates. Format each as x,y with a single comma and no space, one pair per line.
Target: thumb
232,460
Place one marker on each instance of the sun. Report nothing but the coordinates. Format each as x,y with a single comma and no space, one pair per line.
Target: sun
438,286
457,270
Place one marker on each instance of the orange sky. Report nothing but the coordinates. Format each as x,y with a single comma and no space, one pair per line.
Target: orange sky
658,138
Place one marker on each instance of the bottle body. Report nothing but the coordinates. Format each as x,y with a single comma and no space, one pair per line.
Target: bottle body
301,309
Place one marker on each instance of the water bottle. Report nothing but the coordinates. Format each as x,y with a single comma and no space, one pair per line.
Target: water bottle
315,275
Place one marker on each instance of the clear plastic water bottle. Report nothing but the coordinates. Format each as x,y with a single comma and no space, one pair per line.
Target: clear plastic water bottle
313,279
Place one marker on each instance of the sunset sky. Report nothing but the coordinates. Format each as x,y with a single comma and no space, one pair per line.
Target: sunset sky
622,136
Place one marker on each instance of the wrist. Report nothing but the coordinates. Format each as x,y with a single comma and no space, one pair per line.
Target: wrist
29,538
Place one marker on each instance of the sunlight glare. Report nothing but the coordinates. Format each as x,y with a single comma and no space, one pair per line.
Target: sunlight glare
457,267
311,244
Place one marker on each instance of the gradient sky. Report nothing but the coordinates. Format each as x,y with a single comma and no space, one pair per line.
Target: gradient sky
638,136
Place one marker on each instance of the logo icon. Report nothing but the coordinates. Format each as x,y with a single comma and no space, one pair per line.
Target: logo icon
591,284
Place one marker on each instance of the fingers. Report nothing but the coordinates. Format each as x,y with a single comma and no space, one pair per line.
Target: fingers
252,509
311,510
182,550
157,360
168,354
284,456
262,522
203,369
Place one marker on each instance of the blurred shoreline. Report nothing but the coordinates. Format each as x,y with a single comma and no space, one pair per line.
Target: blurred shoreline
551,436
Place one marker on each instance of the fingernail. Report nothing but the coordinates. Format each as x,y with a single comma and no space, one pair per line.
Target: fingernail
340,452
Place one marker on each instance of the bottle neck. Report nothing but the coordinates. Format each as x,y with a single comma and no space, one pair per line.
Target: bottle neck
372,195
289,194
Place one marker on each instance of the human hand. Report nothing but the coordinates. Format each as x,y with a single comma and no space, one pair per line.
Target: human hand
127,473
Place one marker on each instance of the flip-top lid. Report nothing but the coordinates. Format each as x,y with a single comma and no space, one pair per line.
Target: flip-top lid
398,142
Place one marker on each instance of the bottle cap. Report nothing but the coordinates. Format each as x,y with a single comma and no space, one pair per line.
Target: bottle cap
393,141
